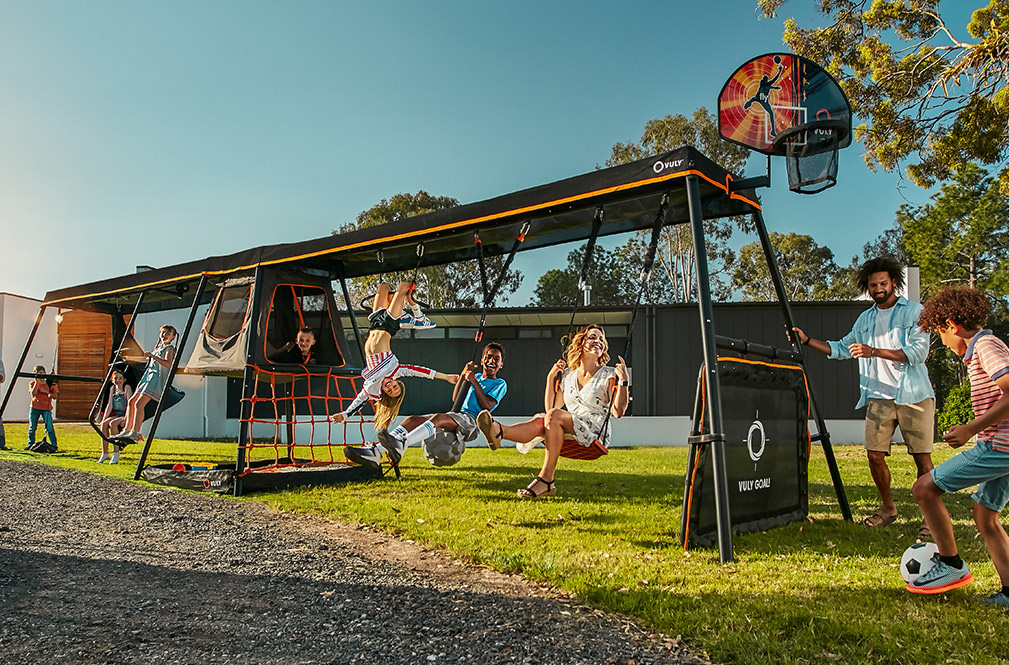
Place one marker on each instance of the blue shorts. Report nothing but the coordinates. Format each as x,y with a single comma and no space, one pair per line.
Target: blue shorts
981,466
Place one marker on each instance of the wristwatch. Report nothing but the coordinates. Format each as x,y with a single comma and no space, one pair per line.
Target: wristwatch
623,382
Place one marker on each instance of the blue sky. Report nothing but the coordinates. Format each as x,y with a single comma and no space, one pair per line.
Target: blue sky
157,133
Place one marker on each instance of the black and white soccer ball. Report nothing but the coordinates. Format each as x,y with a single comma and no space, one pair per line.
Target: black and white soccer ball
444,448
917,560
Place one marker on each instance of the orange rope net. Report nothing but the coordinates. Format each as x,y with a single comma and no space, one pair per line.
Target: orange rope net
287,419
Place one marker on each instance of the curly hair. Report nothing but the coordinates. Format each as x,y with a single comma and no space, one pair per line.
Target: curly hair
886,264
960,304
573,354
387,408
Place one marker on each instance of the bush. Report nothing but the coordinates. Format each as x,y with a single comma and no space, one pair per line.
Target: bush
957,409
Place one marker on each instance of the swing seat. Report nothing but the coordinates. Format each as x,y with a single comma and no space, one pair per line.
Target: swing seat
574,450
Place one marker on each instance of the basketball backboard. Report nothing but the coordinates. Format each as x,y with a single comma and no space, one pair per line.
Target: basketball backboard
774,92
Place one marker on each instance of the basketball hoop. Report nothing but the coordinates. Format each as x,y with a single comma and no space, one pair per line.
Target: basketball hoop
810,151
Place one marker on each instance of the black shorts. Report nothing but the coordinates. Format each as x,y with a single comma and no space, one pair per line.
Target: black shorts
382,320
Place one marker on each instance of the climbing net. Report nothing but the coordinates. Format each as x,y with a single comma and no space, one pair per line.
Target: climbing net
287,419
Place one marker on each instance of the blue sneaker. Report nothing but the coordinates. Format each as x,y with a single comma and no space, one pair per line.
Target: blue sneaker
366,456
941,578
393,445
998,598
406,321
423,323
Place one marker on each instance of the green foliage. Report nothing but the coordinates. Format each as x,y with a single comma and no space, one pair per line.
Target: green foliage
452,285
924,92
675,258
807,270
818,591
609,276
957,409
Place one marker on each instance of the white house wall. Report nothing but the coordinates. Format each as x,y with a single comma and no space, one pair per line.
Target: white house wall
17,316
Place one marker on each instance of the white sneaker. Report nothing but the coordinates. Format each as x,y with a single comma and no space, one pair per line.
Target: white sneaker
104,458
524,448
115,458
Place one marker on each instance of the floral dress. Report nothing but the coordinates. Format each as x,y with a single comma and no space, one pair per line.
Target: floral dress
588,405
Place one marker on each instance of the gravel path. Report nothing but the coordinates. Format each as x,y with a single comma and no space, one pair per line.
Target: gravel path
97,570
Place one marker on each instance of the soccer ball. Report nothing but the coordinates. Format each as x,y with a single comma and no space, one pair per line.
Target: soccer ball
917,560
444,448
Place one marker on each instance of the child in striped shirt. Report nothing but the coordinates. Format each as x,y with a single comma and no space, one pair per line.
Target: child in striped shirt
958,315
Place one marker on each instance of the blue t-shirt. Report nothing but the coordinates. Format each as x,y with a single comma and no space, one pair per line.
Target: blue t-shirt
493,388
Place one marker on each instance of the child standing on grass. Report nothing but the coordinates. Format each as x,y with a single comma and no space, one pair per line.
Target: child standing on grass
151,384
42,395
114,417
957,314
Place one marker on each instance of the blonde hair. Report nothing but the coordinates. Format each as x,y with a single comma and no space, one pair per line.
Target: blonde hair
573,354
387,408
175,332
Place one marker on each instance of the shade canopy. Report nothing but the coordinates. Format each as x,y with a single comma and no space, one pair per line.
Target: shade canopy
558,212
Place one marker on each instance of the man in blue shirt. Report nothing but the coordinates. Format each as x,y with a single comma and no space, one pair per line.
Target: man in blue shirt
485,392
893,381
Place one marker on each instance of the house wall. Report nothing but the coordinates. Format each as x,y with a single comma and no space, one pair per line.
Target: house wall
17,316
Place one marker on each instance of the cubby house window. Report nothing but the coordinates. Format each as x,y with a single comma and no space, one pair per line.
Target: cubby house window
231,307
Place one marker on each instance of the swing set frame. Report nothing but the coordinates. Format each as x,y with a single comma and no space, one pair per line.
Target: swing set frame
692,186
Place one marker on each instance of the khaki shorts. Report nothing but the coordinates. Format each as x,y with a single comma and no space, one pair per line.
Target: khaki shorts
883,416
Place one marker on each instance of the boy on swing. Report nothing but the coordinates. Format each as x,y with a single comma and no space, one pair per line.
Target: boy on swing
958,315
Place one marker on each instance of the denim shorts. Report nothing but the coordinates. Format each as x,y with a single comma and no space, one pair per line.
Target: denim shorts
982,466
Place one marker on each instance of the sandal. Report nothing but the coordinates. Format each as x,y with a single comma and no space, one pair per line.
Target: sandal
486,423
879,519
923,530
527,492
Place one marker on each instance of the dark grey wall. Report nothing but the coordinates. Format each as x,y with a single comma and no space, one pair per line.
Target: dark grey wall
665,359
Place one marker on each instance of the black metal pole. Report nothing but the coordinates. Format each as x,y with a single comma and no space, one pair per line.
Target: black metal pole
821,426
21,361
350,313
171,375
714,394
112,363
249,379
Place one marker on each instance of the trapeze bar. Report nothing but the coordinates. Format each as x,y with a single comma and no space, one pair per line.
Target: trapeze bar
60,377
744,347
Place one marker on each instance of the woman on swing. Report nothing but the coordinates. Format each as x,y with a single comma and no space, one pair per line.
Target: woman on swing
584,383
382,371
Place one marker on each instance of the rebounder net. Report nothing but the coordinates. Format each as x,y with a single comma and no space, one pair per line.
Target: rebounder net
765,417
290,439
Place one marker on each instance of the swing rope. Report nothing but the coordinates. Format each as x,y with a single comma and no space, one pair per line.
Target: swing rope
489,294
572,449
583,276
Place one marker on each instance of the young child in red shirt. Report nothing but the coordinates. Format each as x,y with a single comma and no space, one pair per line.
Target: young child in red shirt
42,395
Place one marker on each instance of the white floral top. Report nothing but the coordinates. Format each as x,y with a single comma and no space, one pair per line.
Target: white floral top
588,405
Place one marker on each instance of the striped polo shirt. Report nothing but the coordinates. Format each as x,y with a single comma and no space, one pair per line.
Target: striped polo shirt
987,359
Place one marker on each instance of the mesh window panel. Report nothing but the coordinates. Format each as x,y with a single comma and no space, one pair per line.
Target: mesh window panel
229,311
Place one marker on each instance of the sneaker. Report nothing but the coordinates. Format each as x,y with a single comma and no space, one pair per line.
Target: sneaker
524,448
3,447
393,445
486,423
115,458
366,456
422,323
104,458
406,321
998,598
940,578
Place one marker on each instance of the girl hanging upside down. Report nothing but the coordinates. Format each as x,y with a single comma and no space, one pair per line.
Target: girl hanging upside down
582,382
381,373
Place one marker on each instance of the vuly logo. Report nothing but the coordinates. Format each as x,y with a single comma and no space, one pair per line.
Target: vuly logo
661,166
756,439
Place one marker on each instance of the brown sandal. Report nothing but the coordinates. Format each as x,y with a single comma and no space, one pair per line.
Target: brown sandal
527,492
879,519
486,423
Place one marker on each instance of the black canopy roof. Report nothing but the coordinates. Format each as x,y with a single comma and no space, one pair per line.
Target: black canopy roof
558,212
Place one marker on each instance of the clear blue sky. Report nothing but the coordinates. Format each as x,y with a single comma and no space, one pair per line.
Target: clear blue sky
158,133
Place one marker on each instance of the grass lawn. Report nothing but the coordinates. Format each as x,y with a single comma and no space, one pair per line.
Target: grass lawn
819,591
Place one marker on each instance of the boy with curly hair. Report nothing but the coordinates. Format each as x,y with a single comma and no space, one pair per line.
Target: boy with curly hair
958,315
